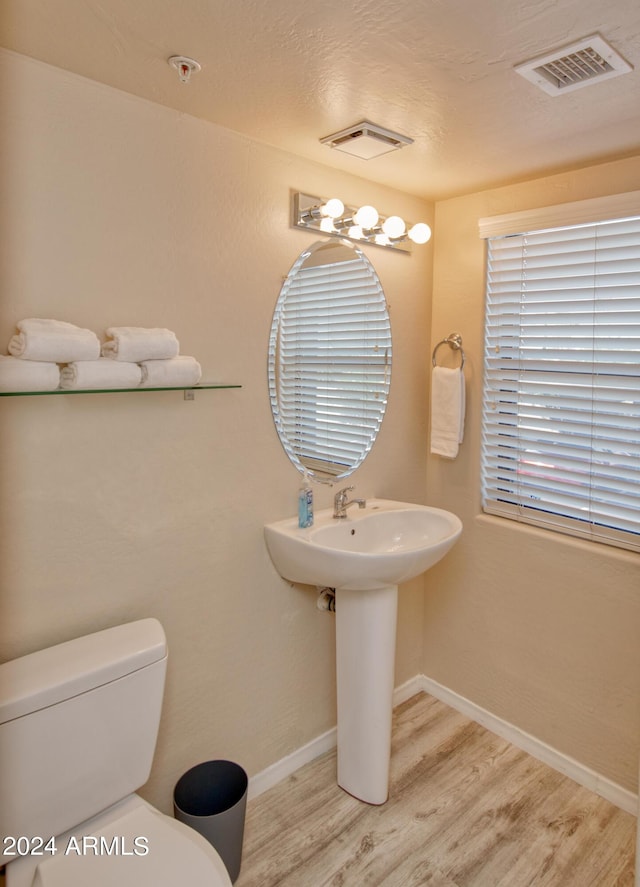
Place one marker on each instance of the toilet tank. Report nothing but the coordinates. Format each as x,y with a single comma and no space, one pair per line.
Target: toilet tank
78,727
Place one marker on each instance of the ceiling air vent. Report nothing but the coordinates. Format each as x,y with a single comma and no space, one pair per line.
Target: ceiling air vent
366,140
587,61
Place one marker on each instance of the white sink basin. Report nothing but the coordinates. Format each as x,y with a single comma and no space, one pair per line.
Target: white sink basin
385,543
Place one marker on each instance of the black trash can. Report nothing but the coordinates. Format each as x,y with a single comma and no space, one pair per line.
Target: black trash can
212,798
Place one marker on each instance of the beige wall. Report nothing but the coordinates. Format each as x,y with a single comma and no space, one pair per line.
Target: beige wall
113,507
116,211
540,629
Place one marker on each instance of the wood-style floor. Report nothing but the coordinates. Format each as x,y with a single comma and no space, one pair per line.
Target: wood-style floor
466,809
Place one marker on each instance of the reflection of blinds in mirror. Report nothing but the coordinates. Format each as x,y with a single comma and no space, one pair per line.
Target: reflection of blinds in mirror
334,364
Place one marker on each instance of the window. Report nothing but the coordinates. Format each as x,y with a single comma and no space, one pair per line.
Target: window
561,412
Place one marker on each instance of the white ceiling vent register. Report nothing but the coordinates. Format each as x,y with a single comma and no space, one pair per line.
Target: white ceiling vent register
571,67
366,140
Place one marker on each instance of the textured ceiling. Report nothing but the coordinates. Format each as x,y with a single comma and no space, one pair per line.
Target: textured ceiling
288,72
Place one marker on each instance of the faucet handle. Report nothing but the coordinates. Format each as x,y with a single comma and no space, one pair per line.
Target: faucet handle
341,496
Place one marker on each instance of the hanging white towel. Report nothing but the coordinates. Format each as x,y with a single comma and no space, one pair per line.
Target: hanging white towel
447,411
99,374
53,340
135,344
28,375
173,373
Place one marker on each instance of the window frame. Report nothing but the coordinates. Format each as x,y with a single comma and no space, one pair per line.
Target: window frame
515,500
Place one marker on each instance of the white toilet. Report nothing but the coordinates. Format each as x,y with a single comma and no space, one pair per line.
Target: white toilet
78,727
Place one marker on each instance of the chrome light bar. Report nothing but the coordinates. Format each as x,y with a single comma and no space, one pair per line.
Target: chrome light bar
361,224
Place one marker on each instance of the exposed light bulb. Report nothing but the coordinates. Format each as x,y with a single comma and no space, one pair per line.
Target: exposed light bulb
420,233
394,226
332,208
367,216
332,217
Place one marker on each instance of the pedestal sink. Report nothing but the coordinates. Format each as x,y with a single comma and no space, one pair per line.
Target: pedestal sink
364,557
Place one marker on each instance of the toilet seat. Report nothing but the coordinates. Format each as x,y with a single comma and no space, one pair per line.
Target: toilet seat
176,854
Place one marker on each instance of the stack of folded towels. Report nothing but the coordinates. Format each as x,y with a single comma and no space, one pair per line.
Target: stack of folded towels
48,354
156,353
38,348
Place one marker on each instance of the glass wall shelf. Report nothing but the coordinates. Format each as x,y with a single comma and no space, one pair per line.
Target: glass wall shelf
187,389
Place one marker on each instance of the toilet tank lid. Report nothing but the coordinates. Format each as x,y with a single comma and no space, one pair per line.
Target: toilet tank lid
50,676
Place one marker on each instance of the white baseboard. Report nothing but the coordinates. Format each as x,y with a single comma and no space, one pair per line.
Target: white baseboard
408,689
286,766
602,786
607,789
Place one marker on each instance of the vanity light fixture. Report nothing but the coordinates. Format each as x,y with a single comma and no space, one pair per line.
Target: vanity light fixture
363,224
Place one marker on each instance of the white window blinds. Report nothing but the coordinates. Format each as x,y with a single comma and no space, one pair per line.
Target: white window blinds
334,363
561,416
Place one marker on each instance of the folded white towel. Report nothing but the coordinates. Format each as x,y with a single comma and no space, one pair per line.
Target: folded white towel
28,375
173,373
135,344
53,340
100,373
447,411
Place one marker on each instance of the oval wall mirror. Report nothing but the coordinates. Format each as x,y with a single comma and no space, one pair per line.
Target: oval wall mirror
330,360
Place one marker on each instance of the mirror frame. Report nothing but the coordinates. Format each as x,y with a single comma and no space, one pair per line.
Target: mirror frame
317,468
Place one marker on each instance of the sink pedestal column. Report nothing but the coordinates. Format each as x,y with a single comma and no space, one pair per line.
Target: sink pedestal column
365,665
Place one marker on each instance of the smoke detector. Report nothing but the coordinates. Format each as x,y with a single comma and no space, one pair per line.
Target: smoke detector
366,140
571,67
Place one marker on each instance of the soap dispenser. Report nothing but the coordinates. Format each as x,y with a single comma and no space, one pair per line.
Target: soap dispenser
305,503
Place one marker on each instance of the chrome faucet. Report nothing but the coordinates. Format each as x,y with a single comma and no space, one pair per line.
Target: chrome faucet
341,502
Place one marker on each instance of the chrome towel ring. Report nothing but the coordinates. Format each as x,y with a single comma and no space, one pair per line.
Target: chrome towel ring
454,341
